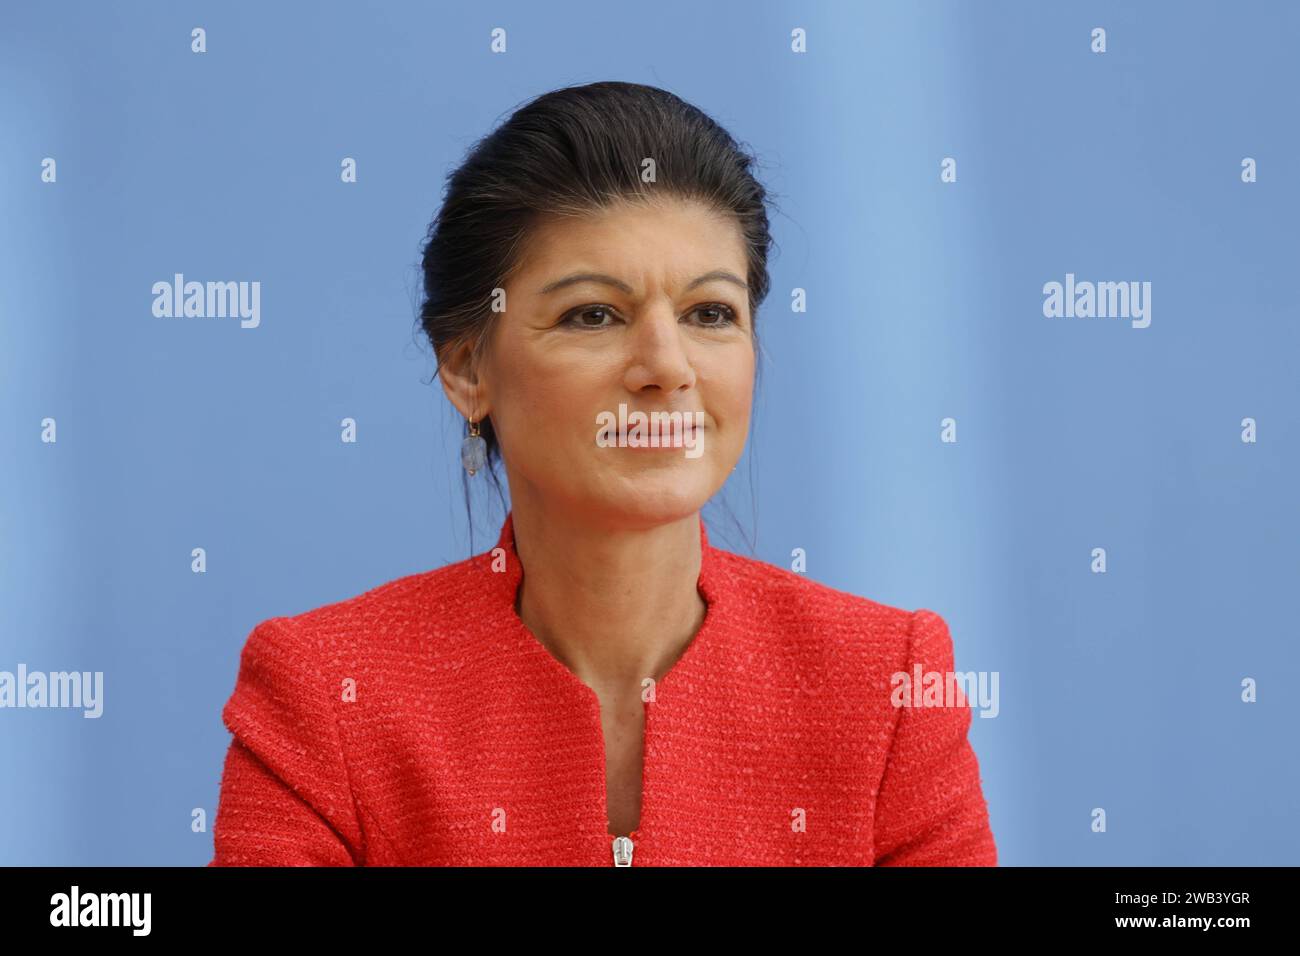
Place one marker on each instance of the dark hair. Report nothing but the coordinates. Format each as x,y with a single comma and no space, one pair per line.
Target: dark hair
567,153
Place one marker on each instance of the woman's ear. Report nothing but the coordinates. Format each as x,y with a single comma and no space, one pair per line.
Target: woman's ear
461,381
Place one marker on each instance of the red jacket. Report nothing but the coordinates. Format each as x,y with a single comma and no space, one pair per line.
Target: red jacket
421,723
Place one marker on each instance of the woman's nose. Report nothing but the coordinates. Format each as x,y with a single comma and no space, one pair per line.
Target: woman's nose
659,355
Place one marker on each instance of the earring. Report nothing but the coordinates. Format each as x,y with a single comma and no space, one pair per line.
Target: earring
473,450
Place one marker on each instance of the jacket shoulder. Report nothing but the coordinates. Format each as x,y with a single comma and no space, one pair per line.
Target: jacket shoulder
406,609
796,596
798,619
792,613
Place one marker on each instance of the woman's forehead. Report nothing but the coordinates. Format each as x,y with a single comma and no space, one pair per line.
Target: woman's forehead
631,245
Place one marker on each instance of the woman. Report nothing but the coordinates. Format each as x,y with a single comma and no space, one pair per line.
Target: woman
604,686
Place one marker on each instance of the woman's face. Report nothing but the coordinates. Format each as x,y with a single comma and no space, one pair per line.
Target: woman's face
659,323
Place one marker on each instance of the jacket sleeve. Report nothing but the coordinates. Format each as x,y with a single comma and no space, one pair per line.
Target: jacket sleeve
930,810
285,799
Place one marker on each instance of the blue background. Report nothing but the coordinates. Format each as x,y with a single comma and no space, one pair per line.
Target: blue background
1118,690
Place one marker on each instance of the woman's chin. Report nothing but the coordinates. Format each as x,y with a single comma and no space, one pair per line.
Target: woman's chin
653,498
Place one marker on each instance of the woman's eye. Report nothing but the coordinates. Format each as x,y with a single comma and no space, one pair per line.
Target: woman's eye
579,318
715,315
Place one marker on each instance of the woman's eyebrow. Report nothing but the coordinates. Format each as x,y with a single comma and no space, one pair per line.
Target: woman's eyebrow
622,286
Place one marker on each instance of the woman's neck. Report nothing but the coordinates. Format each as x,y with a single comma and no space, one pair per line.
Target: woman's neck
614,605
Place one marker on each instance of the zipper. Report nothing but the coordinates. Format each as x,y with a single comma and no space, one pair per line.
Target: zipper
622,848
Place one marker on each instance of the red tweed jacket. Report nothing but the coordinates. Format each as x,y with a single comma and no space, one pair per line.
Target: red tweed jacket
421,723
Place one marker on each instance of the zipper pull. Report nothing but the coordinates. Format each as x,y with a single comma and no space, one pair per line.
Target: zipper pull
622,851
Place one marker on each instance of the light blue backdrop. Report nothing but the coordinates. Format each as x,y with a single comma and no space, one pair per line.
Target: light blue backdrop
925,301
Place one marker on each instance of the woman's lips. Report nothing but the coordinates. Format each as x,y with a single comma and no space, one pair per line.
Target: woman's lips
669,440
